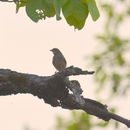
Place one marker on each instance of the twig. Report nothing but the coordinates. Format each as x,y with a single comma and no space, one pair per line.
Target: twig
6,1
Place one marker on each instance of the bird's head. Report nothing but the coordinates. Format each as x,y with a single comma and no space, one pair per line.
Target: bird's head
55,50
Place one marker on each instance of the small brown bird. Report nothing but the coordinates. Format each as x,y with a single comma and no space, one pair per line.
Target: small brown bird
58,61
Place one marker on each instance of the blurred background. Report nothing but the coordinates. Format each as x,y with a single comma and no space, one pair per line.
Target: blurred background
102,46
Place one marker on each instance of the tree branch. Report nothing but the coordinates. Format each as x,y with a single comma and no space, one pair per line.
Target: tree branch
15,1
6,1
55,90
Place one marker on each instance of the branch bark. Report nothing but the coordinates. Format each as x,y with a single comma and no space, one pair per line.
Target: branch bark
55,90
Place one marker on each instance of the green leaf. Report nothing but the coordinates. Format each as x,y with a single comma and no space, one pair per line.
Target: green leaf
75,13
92,7
112,109
20,3
84,1
57,6
39,9
116,79
120,59
72,127
102,124
116,125
17,6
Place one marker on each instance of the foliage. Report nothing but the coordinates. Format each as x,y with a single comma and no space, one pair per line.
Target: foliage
74,11
78,121
111,62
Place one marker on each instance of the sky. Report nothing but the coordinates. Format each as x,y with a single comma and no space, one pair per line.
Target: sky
25,47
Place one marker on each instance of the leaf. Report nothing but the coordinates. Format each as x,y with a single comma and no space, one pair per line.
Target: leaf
39,9
116,125
75,13
102,124
72,127
84,1
17,6
57,7
92,7
112,109
20,3
120,60
116,79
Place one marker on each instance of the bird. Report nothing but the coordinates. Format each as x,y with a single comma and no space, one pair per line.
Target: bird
58,60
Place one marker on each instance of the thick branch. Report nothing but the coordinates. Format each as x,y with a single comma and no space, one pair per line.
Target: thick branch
54,90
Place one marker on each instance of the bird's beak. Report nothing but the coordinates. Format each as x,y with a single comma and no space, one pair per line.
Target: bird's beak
51,50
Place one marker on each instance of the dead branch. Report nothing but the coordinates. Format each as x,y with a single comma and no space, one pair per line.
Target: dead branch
54,90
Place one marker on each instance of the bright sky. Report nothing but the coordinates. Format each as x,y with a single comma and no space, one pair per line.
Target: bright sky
24,47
